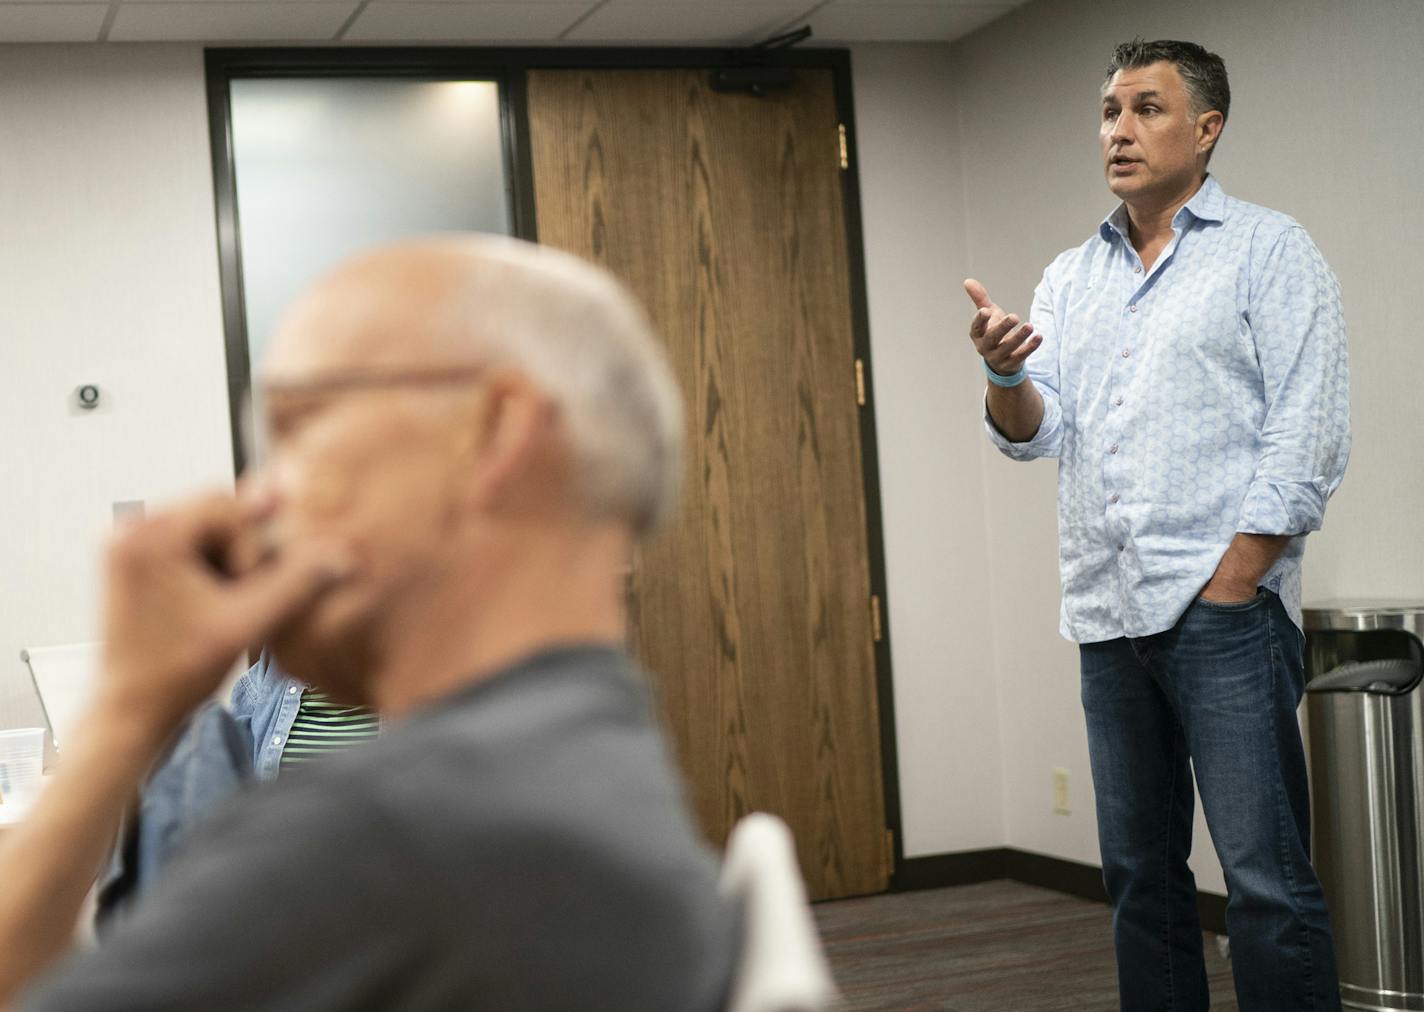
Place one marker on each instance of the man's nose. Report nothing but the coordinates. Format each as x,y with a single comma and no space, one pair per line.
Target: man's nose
1121,132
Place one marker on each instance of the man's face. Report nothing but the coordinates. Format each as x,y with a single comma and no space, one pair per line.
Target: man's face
372,467
1150,136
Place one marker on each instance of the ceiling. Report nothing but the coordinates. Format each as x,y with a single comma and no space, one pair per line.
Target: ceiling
490,22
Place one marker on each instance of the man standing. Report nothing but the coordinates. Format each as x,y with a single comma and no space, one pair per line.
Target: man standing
1187,366
466,437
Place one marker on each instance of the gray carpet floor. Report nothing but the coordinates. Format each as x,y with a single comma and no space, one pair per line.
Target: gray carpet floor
992,947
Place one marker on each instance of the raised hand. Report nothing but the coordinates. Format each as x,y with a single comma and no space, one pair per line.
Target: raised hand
188,590
998,337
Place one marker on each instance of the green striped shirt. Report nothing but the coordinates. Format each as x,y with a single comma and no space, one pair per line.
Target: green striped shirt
324,726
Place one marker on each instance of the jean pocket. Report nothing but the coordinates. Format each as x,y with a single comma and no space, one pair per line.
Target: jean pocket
1229,606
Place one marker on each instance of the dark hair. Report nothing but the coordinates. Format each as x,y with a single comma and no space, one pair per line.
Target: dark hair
1203,73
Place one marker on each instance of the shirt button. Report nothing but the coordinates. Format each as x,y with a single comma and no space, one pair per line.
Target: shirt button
1121,548
1113,497
277,739
1127,353
292,691
1137,269
1118,402
1113,448
1132,309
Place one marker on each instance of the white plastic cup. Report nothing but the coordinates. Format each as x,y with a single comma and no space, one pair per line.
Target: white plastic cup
21,763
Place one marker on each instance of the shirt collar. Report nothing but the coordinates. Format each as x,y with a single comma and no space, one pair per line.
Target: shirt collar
1207,204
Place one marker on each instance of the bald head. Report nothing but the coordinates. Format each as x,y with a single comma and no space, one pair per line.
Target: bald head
450,303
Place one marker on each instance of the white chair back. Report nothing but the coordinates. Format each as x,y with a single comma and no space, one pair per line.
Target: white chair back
64,678
782,966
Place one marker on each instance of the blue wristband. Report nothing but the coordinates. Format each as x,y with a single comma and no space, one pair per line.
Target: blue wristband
1004,381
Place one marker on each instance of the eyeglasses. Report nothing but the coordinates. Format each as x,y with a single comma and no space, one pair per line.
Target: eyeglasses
375,379
338,382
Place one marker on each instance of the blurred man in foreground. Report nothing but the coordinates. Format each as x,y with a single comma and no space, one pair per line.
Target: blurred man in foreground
466,436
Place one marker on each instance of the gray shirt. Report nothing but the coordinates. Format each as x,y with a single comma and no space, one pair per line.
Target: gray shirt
521,845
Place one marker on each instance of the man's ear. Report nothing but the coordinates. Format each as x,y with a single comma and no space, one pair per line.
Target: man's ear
1209,126
516,427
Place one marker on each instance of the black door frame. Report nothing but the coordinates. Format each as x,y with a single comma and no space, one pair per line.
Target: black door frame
508,67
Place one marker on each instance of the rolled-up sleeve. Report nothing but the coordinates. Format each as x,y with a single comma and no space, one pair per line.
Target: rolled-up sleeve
1042,369
1299,332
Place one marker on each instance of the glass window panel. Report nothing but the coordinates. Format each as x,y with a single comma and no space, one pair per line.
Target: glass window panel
325,167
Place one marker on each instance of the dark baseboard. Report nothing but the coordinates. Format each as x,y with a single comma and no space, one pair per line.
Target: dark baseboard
1082,880
938,871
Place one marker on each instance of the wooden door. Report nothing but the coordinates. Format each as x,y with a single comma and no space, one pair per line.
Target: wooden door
724,213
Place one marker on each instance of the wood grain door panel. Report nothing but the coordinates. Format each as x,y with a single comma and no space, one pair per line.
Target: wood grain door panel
724,213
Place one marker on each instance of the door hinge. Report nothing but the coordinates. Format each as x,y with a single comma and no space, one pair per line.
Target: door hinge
875,617
890,851
860,382
844,146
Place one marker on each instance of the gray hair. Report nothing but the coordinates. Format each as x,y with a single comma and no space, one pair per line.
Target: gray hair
581,335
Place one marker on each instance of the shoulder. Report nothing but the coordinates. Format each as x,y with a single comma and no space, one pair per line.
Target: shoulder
1263,227
1256,217
543,761
1270,247
1277,249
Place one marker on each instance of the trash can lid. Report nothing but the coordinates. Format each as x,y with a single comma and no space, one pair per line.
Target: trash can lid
1364,614
1391,677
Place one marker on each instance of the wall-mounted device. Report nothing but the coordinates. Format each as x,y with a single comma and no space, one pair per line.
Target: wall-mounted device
87,396
749,72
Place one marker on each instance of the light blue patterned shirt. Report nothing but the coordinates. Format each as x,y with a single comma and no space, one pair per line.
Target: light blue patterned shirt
1207,396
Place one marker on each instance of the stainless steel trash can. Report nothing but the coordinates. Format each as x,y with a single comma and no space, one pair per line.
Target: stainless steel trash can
1365,717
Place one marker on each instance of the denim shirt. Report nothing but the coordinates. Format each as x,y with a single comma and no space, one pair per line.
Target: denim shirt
265,702
217,753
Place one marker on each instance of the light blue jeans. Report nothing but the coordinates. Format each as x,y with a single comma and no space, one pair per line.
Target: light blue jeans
1215,694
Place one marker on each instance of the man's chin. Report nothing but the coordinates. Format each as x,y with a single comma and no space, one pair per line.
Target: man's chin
1121,188
321,649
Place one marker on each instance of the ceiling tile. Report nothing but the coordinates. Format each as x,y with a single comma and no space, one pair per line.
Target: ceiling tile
230,21
920,3
407,21
722,23
51,22
888,22
584,4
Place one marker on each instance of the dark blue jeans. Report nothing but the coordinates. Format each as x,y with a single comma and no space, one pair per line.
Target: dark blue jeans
1215,694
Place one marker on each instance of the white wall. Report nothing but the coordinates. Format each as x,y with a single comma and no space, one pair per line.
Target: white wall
926,392
1320,128
108,275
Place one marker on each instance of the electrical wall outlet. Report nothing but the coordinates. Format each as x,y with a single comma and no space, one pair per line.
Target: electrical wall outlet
1061,800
